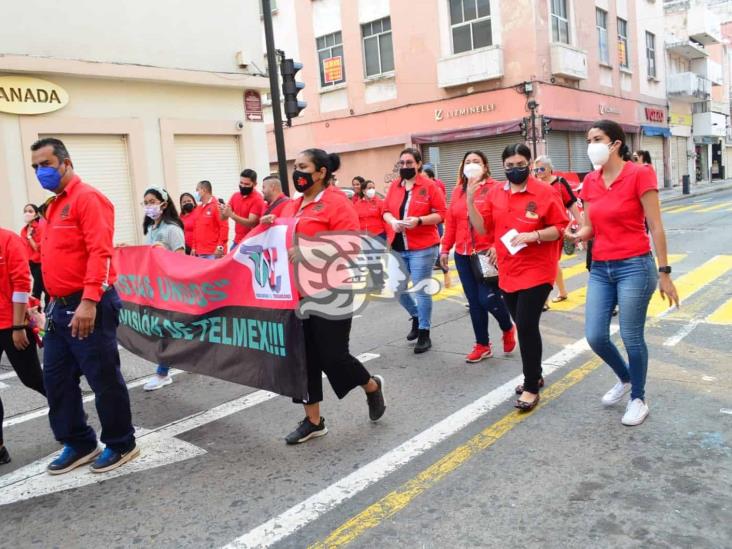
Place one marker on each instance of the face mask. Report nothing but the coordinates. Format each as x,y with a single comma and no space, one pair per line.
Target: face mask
472,170
246,191
407,173
28,217
197,196
296,195
153,212
48,177
187,208
302,180
370,193
599,153
517,175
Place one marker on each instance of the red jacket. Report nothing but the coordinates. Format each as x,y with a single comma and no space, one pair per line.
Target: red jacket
15,278
456,222
37,234
189,222
426,198
370,215
210,230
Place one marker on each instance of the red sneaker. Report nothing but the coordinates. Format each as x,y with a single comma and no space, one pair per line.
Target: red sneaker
509,340
479,353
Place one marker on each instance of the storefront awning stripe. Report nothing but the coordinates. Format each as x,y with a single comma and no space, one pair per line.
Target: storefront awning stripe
655,131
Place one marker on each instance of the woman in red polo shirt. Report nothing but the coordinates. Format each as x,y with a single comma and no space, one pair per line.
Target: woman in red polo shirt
619,198
413,208
32,234
370,209
483,298
188,212
322,209
526,217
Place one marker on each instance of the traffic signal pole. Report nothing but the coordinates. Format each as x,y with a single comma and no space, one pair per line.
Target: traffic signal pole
274,86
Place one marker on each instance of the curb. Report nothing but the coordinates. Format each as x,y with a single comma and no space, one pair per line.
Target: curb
679,198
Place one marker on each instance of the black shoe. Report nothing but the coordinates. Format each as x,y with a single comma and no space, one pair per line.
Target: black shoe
423,342
376,400
414,334
4,456
305,431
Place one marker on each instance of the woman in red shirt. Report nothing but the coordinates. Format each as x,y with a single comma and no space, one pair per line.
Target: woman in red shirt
483,298
370,209
188,213
32,234
526,217
321,209
413,208
619,198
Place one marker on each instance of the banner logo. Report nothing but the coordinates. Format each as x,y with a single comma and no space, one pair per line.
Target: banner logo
265,255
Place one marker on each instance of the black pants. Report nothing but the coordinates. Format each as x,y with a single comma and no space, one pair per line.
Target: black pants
25,363
38,287
326,350
525,307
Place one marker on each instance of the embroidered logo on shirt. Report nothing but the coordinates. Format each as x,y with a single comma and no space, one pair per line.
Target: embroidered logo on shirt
65,212
318,207
423,192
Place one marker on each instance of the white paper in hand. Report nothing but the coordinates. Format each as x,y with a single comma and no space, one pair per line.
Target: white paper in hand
506,239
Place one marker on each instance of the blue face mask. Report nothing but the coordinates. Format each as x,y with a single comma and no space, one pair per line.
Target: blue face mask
48,177
197,196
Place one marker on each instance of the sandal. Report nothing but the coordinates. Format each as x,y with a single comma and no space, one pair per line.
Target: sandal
524,406
520,388
559,299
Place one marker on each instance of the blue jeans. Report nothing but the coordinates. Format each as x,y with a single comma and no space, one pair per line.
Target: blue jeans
162,370
419,264
628,283
482,299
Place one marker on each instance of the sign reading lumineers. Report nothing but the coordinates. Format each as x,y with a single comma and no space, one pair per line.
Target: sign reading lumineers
27,95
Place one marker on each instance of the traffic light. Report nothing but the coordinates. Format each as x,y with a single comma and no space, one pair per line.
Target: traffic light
524,126
290,89
546,125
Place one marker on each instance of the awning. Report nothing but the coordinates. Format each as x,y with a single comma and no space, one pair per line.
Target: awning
460,134
655,131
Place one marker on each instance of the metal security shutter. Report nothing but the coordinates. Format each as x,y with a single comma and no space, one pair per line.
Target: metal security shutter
579,162
557,146
101,161
654,145
679,160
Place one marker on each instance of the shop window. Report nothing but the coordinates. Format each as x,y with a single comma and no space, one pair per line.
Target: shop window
470,22
330,47
377,47
623,58
651,54
601,23
560,21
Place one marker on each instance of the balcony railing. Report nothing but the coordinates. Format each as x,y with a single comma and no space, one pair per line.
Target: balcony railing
689,87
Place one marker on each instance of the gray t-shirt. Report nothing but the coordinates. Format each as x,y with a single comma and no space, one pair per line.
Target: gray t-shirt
169,235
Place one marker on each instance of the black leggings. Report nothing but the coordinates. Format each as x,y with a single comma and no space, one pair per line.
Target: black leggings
525,307
26,365
38,287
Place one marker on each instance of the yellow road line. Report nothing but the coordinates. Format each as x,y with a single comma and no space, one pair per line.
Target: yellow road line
684,209
715,208
574,270
723,315
392,503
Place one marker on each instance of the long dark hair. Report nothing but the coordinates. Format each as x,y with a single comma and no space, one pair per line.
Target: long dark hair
616,133
361,184
331,162
35,209
461,176
170,213
645,156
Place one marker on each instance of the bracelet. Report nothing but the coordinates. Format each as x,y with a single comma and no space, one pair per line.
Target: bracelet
17,328
538,236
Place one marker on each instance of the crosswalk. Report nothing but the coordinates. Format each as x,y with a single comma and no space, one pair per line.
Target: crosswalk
702,207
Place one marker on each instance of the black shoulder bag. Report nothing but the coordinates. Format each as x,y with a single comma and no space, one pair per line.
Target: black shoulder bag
483,269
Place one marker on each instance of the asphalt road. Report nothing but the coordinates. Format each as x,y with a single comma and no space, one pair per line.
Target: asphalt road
451,464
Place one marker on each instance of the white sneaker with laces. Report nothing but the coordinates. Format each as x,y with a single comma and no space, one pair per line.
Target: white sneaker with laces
157,382
635,413
616,394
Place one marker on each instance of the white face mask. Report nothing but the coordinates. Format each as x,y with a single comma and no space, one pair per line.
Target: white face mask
370,193
28,217
153,211
472,170
599,153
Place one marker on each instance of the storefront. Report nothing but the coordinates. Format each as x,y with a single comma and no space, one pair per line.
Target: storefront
682,146
655,138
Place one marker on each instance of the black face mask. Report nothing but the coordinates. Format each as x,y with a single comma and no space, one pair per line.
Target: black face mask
302,181
187,208
517,175
245,191
407,173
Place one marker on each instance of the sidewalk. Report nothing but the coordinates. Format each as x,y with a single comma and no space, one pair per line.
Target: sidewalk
697,189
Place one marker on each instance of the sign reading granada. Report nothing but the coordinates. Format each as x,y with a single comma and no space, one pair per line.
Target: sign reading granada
27,95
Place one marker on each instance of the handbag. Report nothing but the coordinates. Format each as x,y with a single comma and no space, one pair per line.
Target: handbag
483,269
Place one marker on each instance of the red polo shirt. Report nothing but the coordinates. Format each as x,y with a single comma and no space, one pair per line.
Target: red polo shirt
330,211
426,198
565,192
616,213
370,212
209,230
76,254
457,230
538,206
189,222
33,255
243,206
15,278
279,204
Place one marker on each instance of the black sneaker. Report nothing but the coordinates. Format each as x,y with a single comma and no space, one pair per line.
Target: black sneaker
414,333
376,400
305,431
4,456
423,342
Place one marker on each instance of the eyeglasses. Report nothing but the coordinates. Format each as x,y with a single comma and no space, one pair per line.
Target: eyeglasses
539,170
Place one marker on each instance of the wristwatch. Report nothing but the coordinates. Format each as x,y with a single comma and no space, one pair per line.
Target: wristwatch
666,269
419,221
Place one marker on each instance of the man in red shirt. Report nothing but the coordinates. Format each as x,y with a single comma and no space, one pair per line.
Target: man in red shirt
210,232
82,318
244,207
275,198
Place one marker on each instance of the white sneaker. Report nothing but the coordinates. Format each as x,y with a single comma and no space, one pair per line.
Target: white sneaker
157,382
616,394
635,413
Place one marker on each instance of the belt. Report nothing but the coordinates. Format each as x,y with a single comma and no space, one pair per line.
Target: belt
75,298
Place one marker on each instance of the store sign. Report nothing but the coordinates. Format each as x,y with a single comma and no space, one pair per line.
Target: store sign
609,109
253,106
676,119
333,69
442,114
27,95
655,115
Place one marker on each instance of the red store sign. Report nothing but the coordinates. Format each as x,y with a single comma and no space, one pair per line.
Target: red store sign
655,115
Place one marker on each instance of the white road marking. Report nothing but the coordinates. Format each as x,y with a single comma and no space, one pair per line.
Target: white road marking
3,385
725,411
298,516
8,375
709,378
685,330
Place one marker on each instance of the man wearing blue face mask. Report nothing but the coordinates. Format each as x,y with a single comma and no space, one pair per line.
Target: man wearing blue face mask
82,318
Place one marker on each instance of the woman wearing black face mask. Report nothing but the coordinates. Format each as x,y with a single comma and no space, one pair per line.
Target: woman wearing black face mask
188,212
525,216
322,208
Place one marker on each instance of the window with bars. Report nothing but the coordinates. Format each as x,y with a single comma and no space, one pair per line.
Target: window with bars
330,46
601,23
651,54
470,22
623,57
378,51
560,21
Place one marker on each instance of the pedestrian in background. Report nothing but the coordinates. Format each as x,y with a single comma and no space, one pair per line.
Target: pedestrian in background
81,334
619,199
32,235
320,210
643,158
356,184
526,217
163,228
370,210
16,339
274,197
188,214
483,296
210,230
413,208
245,207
